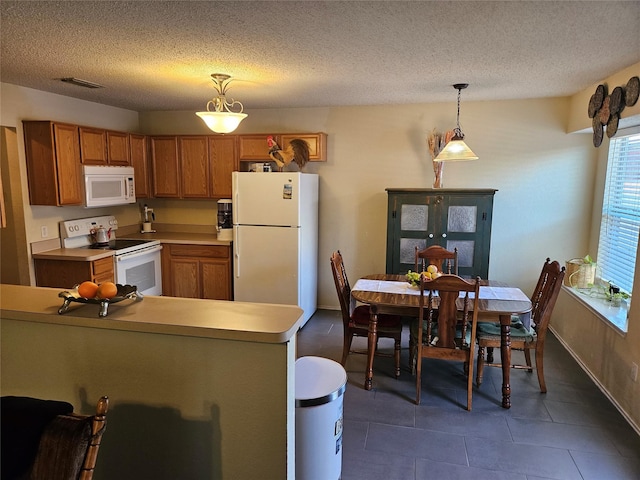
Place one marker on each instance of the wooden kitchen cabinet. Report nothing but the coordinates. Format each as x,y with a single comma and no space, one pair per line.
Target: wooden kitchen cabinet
203,168
253,148
197,271
166,167
194,166
67,273
139,160
104,147
54,173
118,150
317,144
93,146
223,160
452,218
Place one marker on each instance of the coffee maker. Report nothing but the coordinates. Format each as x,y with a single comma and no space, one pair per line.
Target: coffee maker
225,220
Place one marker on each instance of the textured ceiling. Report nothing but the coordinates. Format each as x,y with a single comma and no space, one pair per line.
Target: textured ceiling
158,55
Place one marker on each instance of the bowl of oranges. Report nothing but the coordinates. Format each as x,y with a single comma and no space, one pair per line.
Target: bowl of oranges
101,294
431,273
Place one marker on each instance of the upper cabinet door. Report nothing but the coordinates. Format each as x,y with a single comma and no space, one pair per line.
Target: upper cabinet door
166,169
254,147
118,148
139,161
223,160
317,144
68,165
194,166
53,163
93,146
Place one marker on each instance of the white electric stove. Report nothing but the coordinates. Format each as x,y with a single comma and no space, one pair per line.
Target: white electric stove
137,262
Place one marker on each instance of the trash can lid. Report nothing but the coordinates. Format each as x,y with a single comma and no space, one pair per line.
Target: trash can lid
318,381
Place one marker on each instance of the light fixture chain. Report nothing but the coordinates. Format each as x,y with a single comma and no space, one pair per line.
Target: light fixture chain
458,118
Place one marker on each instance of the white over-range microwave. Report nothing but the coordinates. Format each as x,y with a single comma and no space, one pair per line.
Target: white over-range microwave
105,186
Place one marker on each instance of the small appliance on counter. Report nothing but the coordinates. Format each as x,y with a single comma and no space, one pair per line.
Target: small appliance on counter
225,220
148,215
260,167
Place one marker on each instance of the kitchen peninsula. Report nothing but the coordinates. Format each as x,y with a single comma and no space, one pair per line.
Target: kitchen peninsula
197,388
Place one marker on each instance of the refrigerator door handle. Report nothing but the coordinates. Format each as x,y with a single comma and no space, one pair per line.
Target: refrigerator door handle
236,247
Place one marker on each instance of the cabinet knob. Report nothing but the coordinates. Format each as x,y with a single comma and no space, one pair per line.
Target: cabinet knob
444,235
431,235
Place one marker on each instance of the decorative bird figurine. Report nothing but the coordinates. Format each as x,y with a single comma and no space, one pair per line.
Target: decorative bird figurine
297,151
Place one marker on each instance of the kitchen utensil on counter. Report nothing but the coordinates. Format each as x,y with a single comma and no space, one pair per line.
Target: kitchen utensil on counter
225,220
100,235
148,215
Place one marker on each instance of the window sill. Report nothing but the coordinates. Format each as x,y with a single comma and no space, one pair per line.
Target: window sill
617,317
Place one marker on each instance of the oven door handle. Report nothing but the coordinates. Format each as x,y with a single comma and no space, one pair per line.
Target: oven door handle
138,253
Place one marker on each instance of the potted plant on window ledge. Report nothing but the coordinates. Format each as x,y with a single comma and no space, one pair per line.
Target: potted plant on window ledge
615,296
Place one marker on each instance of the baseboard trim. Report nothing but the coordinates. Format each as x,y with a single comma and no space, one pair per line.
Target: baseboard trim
597,382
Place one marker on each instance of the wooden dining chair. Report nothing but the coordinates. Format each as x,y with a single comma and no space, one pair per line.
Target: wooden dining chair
445,260
450,336
355,320
543,300
45,440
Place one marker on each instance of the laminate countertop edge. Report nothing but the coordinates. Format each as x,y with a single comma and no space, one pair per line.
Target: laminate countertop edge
213,319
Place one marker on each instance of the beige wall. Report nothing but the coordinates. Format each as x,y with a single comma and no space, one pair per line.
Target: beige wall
548,182
578,118
544,177
605,352
18,104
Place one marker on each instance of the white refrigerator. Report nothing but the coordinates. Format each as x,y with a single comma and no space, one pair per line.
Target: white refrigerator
275,239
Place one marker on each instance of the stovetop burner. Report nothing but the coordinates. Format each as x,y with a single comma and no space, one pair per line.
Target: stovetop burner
118,244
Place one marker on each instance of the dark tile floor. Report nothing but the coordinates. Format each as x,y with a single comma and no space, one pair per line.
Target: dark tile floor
571,432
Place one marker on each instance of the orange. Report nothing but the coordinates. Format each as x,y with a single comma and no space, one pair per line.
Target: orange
107,290
87,289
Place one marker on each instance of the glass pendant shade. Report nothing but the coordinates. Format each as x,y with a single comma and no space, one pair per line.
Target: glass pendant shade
219,116
455,151
222,122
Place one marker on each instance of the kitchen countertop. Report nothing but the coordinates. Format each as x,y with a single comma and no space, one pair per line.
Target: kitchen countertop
179,237
242,321
89,254
74,254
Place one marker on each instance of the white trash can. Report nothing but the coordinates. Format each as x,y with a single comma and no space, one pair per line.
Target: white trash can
320,386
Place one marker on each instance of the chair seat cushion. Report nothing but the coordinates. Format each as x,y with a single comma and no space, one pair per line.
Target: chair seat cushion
434,332
490,330
362,314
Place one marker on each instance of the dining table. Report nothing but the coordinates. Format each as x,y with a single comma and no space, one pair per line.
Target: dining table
392,294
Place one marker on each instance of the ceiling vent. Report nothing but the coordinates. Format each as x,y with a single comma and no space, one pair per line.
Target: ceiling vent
81,83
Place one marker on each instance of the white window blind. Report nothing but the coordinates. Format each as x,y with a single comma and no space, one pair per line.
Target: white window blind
621,213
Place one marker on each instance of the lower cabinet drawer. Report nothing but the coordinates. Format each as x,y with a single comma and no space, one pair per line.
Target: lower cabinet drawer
103,266
209,251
